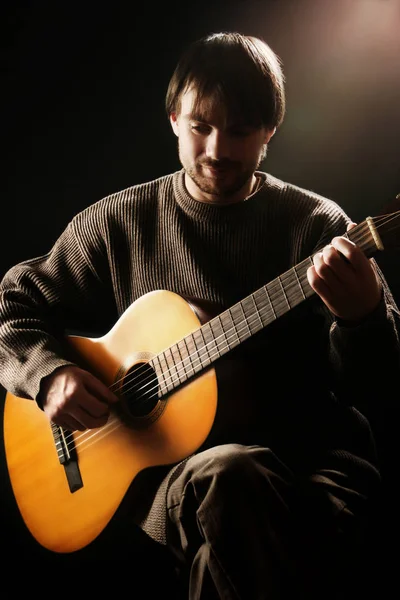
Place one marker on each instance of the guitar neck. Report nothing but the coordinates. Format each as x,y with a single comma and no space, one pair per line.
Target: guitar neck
199,350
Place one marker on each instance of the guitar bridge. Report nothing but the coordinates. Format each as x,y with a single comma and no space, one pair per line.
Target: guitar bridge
67,456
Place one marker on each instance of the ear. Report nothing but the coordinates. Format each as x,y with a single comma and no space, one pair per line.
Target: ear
173,119
268,135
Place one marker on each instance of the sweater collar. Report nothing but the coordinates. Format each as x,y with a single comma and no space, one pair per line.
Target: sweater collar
208,211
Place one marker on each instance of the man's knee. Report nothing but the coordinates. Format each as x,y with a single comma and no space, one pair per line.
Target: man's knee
236,463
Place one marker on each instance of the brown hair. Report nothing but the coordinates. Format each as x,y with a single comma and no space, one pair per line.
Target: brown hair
240,71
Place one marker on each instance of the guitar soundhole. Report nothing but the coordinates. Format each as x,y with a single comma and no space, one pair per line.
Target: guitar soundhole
139,392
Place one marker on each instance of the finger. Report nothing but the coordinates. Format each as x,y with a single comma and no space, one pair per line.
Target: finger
86,420
317,284
352,254
342,268
321,288
80,420
94,406
335,260
348,250
322,268
351,226
99,390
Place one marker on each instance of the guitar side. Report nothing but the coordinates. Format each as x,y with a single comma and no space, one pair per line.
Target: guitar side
109,458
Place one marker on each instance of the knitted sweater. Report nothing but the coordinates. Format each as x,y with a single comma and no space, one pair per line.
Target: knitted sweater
306,370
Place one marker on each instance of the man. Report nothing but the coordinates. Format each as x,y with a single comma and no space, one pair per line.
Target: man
273,504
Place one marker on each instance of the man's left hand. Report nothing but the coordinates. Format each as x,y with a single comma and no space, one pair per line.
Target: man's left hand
345,279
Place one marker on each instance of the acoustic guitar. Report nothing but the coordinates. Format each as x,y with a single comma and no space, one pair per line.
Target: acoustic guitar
160,361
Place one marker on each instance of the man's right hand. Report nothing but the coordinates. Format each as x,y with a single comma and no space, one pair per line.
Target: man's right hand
75,399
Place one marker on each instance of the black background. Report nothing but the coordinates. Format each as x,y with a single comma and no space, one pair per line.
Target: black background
83,107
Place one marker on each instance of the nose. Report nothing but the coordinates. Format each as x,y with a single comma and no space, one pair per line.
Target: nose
217,145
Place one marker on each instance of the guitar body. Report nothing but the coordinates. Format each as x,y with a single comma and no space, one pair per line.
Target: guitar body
108,458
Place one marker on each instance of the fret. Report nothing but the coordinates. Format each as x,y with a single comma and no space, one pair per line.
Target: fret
186,358
264,307
231,327
221,342
293,291
261,324
173,379
299,283
284,295
205,345
200,356
207,342
246,329
160,373
192,346
182,349
179,371
265,290
278,302
238,318
303,268
251,318
168,383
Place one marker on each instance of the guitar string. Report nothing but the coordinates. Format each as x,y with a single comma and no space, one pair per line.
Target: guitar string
175,371
111,422
259,308
271,304
101,431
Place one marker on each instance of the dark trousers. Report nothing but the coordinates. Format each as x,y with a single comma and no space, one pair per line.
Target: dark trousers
242,526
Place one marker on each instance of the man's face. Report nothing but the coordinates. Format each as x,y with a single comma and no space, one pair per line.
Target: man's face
219,157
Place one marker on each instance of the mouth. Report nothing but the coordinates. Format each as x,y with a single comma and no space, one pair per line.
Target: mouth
217,171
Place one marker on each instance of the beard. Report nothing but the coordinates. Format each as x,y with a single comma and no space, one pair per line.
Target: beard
232,175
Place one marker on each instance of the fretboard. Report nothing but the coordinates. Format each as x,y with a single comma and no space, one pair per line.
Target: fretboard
198,350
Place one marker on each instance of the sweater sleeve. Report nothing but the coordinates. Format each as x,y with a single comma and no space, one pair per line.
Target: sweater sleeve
42,299
366,358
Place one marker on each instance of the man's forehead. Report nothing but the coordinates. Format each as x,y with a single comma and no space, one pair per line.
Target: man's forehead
207,108
192,104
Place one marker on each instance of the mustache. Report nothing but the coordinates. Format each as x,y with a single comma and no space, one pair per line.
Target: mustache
218,164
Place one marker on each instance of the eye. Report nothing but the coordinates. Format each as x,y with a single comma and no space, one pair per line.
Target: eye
200,128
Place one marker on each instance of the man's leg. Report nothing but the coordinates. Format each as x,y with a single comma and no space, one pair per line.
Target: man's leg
241,530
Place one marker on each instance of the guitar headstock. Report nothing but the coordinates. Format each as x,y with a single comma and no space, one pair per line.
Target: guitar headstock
387,225
378,233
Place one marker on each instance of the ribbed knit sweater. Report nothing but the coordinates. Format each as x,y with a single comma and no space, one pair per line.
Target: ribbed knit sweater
307,369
